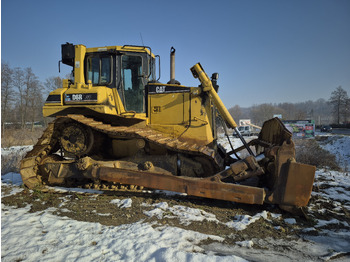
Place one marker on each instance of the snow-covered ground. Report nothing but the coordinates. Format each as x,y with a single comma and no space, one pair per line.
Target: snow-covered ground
15,150
340,147
44,236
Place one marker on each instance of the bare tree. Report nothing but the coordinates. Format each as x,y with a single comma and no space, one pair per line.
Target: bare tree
319,110
52,83
339,100
7,92
236,112
18,83
263,112
28,78
33,97
288,110
29,95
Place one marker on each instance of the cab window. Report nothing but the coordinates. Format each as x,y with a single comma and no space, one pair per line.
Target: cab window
98,69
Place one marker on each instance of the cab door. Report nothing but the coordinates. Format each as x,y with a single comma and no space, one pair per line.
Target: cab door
133,79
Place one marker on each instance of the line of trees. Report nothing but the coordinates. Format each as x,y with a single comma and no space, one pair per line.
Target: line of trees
335,110
23,95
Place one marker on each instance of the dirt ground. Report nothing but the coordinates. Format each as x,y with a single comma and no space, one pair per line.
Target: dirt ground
98,208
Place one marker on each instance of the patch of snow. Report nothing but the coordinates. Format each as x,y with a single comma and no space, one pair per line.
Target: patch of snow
333,255
186,215
242,221
13,181
236,142
14,190
15,150
75,190
42,236
65,210
246,243
162,205
338,241
12,178
322,223
122,203
332,185
291,221
309,229
157,212
340,147
168,193
275,216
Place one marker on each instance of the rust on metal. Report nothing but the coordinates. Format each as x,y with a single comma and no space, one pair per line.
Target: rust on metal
295,184
201,187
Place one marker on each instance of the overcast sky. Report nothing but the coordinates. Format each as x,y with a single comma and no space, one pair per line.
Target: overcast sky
264,51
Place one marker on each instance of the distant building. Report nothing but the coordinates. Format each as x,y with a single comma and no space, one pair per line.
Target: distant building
244,122
279,116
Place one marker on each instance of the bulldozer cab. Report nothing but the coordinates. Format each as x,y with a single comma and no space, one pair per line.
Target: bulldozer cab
128,72
116,75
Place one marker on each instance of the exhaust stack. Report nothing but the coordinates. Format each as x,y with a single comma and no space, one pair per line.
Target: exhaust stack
172,67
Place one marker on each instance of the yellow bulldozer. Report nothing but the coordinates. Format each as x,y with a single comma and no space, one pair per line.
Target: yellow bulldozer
116,124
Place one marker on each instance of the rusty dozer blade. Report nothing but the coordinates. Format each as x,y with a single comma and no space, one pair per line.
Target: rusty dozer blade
290,183
119,172
203,187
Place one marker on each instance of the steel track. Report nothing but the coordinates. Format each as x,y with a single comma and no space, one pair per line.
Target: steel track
47,143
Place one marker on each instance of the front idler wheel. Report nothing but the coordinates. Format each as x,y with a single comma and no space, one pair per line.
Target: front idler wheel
76,140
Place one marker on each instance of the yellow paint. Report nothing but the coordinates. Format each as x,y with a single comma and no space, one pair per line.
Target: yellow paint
208,86
80,51
186,114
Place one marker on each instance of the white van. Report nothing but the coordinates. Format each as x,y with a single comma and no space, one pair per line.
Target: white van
248,131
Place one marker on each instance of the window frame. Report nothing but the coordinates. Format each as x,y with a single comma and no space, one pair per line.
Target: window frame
100,56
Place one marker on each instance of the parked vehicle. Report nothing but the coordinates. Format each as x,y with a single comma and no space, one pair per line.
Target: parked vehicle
327,129
248,131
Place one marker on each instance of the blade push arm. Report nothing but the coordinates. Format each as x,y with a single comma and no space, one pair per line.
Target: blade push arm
198,72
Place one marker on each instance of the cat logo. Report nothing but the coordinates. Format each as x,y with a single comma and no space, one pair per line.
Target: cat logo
160,89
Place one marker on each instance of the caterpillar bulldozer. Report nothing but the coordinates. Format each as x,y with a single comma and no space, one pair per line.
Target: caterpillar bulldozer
116,125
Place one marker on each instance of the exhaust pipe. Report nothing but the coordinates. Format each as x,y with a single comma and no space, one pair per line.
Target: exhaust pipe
172,67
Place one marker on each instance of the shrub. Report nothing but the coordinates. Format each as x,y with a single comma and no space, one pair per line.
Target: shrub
20,137
309,152
11,159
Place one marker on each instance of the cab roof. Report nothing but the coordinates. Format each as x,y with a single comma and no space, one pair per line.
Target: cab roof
124,48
